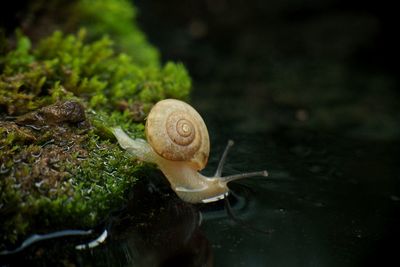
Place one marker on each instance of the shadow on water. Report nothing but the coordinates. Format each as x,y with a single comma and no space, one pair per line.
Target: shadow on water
154,230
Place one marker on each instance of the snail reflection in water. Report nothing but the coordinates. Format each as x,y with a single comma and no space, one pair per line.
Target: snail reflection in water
178,143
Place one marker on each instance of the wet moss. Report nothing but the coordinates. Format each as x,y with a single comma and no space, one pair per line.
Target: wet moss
59,164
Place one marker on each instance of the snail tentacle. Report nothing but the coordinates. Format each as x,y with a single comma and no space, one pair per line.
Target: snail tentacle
234,177
223,159
230,178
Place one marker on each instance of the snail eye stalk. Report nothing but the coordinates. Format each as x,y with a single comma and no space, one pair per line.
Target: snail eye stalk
230,178
223,159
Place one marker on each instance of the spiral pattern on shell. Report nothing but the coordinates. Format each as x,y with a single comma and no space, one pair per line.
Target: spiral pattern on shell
177,132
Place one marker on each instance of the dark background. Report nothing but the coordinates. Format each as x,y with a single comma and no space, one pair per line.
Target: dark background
224,23
323,65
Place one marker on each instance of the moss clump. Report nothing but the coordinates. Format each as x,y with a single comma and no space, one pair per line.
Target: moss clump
59,166
114,17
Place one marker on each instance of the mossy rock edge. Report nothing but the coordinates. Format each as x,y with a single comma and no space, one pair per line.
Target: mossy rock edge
60,166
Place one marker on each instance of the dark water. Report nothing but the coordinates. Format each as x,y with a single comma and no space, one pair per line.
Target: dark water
329,201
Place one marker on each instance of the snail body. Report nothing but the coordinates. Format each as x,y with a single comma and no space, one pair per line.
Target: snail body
178,143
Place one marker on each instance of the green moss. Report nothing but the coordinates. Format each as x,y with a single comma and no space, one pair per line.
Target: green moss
64,66
59,164
115,17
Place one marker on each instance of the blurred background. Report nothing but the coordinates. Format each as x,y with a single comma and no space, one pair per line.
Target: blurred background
327,65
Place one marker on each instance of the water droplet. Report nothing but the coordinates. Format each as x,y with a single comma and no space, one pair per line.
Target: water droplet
36,155
34,127
3,169
48,142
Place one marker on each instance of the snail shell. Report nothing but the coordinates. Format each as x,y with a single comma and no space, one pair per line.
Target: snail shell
177,132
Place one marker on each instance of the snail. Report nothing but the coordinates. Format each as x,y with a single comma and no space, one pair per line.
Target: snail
178,143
